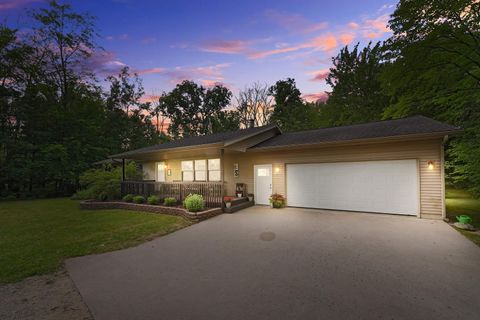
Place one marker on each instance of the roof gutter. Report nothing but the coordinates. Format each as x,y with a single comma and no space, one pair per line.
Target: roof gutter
127,154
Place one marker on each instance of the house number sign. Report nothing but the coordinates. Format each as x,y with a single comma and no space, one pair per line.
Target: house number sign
236,173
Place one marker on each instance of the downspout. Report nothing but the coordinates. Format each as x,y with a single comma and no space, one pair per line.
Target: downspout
442,175
222,175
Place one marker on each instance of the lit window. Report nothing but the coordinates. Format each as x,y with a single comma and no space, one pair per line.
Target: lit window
214,170
200,170
262,172
187,171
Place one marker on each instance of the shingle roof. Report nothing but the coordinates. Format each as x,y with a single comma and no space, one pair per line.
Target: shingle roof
388,128
220,137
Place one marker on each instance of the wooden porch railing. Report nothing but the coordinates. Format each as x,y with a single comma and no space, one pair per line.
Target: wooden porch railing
212,192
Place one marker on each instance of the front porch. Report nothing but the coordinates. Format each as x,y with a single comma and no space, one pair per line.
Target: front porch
212,192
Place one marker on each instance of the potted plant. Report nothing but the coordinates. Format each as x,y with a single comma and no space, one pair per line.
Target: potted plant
239,194
250,197
277,201
228,201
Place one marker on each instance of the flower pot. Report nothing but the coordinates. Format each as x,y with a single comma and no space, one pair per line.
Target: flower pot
250,198
239,195
228,204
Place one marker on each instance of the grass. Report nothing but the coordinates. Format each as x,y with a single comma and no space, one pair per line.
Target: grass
37,236
460,202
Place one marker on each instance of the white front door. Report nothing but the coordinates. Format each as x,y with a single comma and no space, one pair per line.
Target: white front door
161,171
263,183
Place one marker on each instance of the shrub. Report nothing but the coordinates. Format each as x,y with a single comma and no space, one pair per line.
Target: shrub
169,202
153,200
96,181
277,200
194,203
128,198
103,196
139,199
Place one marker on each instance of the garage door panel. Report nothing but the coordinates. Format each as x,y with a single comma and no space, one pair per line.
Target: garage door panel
372,186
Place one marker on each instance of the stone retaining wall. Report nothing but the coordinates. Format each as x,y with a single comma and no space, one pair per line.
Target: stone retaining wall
174,211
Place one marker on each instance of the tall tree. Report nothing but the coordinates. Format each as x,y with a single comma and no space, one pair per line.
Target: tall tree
435,71
65,40
356,94
290,112
192,109
254,103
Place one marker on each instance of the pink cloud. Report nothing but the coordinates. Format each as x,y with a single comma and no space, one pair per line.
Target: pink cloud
11,4
379,24
295,22
213,73
211,83
346,38
325,42
314,97
150,71
319,75
353,25
226,46
149,98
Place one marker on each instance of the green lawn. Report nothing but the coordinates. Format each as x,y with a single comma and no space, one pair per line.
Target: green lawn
37,236
460,202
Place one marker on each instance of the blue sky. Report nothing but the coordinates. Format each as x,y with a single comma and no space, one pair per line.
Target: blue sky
232,42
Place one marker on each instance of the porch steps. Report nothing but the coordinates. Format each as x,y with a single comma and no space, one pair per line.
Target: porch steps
238,204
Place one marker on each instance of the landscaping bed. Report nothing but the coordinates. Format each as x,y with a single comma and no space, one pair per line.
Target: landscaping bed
170,210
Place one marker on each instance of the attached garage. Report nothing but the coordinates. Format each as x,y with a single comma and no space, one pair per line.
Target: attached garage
390,186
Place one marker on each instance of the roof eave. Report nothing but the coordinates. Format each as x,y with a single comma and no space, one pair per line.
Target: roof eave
377,139
126,155
233,141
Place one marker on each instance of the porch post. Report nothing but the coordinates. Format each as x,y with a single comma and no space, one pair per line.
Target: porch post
222,175
123,169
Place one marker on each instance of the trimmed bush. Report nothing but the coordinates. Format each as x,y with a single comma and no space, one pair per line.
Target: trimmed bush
169,202
138,199
194,203
128,198
153,200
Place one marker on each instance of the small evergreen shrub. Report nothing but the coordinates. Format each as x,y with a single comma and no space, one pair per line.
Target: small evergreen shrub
194,202
169,202
153,200
138,199
128,198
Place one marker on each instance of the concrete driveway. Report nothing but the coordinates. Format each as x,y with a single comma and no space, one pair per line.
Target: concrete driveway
262,263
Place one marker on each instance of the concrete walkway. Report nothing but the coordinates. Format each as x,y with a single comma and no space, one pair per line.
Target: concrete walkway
263,263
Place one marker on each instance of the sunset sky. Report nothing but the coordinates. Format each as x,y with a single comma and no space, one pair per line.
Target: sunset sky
232,42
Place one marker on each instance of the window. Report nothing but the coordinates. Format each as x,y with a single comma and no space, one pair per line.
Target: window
200,170
214,170
262,172
187,170
161,171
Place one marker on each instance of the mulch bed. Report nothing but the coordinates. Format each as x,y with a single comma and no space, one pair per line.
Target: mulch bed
174,211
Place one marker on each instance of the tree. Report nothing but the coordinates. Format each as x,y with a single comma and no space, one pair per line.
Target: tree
64,40
435,71
254,104
290,112
356,94
192,109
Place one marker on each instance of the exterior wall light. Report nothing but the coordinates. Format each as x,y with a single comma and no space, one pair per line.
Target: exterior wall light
277,169
431,165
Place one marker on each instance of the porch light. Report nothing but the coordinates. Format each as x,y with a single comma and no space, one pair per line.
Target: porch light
277,169
431,165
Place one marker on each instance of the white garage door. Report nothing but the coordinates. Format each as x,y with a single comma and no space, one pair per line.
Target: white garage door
370,186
